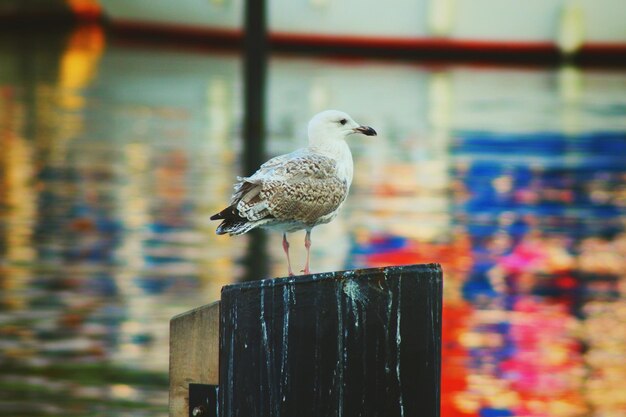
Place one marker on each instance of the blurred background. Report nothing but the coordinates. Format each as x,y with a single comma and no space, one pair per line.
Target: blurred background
501,155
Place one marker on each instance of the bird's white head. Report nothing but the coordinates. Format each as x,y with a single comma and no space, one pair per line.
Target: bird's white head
331,125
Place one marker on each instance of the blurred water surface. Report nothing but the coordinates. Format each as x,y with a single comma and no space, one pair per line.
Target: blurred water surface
113,156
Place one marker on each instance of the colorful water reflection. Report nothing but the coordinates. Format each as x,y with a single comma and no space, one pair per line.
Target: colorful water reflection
113,156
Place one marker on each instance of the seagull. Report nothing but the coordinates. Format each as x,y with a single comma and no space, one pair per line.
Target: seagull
298,190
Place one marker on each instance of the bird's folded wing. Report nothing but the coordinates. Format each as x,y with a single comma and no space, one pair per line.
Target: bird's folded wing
295,187
243,184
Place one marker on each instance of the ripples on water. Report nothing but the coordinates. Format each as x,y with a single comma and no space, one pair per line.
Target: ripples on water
113,156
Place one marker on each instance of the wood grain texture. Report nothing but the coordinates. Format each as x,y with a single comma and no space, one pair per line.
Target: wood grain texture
194,354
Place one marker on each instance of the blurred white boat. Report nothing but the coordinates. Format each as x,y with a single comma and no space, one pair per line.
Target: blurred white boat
532,25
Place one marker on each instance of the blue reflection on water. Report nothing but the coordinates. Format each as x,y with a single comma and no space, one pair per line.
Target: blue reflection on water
560,202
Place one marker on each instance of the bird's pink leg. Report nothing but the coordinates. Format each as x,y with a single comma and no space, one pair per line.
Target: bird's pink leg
286,249
307,245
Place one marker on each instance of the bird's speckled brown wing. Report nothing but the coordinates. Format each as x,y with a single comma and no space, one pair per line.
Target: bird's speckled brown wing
299,187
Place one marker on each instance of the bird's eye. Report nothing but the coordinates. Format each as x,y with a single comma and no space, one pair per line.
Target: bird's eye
343,121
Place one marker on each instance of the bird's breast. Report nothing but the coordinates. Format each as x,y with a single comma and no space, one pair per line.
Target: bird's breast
340,152
345,170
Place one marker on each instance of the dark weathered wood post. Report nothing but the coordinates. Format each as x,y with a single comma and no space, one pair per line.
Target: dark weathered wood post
360,343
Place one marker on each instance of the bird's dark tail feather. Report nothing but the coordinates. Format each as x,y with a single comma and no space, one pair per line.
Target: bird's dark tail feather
229,213
233,223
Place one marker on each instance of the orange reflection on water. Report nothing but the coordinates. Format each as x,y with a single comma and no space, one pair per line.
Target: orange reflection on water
17,209
86,9
78,65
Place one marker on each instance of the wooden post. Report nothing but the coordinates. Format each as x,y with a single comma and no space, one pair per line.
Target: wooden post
362,343
194,354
